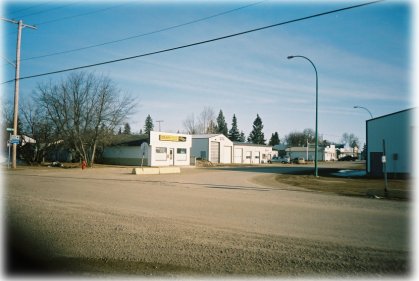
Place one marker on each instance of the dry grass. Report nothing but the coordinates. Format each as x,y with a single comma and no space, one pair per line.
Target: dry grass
359,186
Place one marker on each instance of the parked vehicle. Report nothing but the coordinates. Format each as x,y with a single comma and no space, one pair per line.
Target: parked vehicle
299,160
347,158
284,160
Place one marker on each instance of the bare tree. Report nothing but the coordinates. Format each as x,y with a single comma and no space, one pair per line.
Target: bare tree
350,139
207,121
36,125
85,109
191,125
205,124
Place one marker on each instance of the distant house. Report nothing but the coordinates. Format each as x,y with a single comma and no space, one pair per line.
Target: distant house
392,134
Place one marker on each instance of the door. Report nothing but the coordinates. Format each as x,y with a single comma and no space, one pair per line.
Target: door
215,152
227,154
171,157
248,157
238,155
376,165
256,155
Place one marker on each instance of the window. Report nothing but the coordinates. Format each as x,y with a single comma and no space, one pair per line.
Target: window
181,151
161,150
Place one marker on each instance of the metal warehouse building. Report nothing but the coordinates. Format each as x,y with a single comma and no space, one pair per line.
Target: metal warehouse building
215,148
247,153
157,150
392,134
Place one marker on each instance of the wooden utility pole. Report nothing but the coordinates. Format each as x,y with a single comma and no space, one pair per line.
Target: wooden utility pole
20,25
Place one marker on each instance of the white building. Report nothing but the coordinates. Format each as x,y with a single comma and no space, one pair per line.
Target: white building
394,133
327,153
159,149
247,153
215,148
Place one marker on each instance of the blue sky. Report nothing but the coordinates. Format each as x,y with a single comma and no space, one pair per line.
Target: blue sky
363,57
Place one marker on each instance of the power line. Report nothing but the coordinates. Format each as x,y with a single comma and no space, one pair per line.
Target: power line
80,15
45,11
48,10
196,43
143,34
28,8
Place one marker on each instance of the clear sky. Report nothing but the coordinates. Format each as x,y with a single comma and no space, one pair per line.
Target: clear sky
363,57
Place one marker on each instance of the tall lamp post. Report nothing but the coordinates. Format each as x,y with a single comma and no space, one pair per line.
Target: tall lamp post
357,106
316,172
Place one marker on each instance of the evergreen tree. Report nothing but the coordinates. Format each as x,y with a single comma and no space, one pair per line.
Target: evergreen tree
234,134
221,124
149,126
256,136
274,139
120,131
127,129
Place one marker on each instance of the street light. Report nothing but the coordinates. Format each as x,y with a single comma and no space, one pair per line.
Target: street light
316,172
357,106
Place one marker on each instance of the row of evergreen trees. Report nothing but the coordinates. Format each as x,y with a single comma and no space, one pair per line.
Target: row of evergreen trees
220,126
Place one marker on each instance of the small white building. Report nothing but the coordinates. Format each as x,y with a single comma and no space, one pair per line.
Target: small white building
159,149
248,153
394,133
215,148
327,153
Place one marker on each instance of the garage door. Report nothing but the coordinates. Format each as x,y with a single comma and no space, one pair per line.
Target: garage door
215,152
238,155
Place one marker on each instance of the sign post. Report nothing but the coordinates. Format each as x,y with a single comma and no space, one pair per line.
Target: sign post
10,130
384,161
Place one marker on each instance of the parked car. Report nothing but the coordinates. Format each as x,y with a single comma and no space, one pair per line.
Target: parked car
299,160
284,160
347,158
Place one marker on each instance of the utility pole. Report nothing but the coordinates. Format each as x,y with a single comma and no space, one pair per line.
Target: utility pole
159,121
20,25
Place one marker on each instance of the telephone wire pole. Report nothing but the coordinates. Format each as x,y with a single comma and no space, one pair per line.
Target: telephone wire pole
20,26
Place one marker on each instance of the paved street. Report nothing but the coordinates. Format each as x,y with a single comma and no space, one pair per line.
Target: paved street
202,221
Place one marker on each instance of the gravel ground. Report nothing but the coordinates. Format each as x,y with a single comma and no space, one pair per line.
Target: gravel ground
200,223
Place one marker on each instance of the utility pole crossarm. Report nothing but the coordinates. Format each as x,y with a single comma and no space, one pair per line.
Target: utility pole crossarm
17,22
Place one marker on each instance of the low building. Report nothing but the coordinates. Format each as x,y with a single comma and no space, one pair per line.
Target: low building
215,148
390,135
327,153
158,149
248,153
348,151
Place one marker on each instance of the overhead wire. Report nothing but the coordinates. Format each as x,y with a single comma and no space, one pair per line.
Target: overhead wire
142,34
28,8
81,14
50,9
44,11
196,43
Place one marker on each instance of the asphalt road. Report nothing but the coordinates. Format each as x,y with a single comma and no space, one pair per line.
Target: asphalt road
202,222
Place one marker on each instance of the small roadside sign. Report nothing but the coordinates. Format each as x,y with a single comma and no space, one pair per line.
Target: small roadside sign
14,139
9,129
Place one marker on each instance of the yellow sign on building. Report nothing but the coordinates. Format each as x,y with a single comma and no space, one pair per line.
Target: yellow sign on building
172,138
